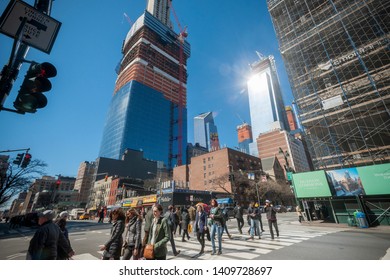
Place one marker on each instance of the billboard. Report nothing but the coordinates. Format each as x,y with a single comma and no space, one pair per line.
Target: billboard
311,184
345,182
375,178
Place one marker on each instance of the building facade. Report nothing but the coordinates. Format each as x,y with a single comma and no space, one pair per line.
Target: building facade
265,99
337,58
148,108
244,134
206,132
269,143
84,181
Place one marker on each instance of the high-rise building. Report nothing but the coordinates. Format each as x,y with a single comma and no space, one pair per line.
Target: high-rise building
292,122
84,181
337,58
148,108
265,99
244,133
206,132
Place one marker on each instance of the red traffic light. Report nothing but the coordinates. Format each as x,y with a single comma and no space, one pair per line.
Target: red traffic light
26,160
36,81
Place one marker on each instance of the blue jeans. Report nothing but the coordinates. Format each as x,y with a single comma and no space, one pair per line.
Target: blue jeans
255,223
215,229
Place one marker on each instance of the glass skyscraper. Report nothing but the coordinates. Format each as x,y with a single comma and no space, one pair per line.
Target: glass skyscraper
206,132
267,109
148,109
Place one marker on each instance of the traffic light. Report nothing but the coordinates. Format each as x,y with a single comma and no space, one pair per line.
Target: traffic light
231,177
26,160
18,159
30,97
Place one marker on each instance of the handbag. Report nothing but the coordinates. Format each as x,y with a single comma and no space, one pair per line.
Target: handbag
149,252
189,229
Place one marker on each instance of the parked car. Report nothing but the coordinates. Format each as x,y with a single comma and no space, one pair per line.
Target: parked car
280,208
289,208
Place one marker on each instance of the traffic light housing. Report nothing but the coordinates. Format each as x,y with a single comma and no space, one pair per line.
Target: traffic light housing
30,96
18,159
231,177
26,160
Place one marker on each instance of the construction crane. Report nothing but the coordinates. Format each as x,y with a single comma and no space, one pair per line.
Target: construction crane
181,38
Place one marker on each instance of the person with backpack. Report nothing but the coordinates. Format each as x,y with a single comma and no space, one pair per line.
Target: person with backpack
170,217
225,216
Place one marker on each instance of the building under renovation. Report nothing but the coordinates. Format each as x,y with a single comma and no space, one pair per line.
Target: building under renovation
148,110
337,56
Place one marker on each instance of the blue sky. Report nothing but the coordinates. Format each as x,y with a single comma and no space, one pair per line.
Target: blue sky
224,35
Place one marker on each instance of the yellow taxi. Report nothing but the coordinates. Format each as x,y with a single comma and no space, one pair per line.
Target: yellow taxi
84,216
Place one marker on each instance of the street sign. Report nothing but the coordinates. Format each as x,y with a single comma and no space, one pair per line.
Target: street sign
39,31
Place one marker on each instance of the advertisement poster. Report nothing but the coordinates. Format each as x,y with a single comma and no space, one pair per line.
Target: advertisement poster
345,182
311,184
375,179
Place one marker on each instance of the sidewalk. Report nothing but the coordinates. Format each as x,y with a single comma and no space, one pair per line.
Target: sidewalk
320,223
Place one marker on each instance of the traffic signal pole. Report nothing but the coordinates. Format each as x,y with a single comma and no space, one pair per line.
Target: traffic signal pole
19,52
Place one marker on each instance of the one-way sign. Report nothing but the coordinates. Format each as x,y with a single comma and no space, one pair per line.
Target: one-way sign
40,30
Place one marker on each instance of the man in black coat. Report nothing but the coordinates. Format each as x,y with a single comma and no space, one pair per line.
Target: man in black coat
46,240
239,215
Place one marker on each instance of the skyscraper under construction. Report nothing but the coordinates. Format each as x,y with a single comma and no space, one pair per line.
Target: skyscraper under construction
148,108
337,56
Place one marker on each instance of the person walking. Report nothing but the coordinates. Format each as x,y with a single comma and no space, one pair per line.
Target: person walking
192,214
271,217
239,215
225,216
299,213
178,219
159,234
185,220
254,213
113,247
200,226
46,240
101,216
216,224
171,219
132,237
61,222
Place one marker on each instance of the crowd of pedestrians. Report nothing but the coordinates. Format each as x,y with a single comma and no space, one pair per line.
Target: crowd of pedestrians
51,240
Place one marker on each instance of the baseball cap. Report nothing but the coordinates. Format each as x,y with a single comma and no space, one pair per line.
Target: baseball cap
268,201
48,214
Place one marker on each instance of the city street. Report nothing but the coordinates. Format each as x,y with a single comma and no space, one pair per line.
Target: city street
307,241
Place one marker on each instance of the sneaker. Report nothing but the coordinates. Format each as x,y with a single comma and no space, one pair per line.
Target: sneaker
219,253
212,253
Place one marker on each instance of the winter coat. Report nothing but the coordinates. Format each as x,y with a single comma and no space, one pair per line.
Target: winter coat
133,232
200,221
218,216
61,254
185,219
45,242
238,212
254,213
271,213
114,244
162,237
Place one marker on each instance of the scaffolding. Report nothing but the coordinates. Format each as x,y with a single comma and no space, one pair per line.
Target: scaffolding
337,56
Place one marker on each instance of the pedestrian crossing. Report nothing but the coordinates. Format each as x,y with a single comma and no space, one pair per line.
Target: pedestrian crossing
240,247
